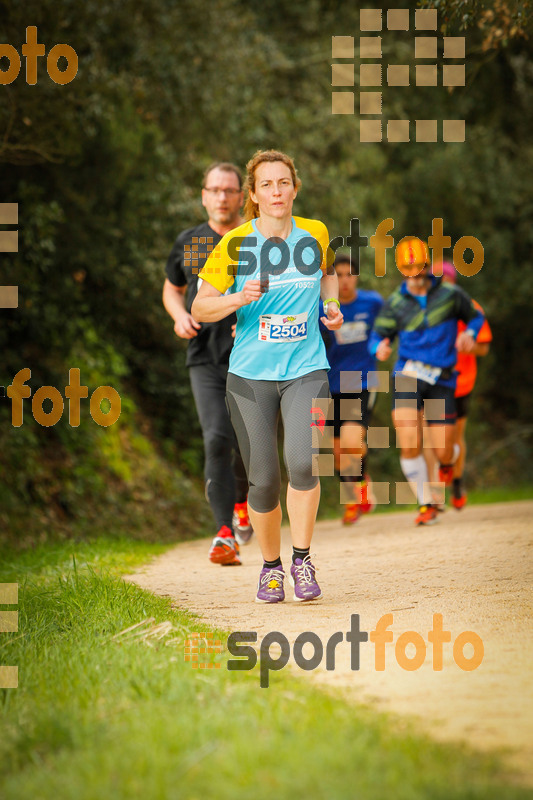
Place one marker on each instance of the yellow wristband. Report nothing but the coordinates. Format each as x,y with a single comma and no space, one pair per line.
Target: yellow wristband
331,300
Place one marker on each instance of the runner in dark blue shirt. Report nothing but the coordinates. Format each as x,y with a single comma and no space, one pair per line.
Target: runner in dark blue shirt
350,361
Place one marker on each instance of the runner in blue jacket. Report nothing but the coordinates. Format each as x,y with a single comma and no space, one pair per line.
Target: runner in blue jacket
423,312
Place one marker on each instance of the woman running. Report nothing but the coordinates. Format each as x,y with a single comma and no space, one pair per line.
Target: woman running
272,271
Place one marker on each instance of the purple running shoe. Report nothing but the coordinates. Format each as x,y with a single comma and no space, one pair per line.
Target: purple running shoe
302,577
270,586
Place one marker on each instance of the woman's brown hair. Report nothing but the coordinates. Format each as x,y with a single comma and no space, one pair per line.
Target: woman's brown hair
251,209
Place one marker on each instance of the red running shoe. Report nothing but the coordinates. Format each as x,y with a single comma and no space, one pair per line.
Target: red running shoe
459,502
225,549
242,527
367,502
427,515
446,474
351,514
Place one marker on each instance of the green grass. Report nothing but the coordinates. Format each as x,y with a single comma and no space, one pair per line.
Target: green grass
500,494
98,717
115,555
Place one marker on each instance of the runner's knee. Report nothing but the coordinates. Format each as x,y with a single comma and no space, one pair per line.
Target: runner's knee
264,497
300,471
410,452
218,447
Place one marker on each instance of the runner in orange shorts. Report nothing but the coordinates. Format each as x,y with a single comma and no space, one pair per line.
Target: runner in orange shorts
467,368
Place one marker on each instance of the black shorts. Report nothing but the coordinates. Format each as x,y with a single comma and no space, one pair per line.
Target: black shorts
352,407
462,405
428,391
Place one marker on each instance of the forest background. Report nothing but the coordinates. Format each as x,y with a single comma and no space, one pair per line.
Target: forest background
106,171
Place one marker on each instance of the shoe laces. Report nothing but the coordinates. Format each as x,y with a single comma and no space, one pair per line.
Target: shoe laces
306,571
272,574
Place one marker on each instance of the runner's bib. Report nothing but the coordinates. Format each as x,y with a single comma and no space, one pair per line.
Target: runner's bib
282,327
421,371
352,332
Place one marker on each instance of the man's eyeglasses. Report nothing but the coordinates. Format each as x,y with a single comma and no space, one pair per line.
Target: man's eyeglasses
216,190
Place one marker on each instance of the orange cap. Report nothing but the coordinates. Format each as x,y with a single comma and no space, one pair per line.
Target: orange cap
411,252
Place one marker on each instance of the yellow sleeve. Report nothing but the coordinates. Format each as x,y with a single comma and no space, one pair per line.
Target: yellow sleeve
217,270
221,267
319,232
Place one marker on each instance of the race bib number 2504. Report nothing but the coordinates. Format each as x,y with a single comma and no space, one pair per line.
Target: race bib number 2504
282,327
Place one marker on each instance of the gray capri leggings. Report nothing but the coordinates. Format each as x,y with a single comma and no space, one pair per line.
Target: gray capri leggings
254,408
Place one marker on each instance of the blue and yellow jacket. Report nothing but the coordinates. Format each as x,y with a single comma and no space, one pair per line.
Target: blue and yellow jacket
426,326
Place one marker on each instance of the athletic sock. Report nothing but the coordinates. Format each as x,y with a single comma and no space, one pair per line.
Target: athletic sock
416,472
299,552
457,488
272,564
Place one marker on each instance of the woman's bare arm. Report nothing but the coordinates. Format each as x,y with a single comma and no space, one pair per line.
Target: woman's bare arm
210,305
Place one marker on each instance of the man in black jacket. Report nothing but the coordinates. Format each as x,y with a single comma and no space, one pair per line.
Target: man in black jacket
207,359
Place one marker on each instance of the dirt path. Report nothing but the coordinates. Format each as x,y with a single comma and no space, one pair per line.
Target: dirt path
474,567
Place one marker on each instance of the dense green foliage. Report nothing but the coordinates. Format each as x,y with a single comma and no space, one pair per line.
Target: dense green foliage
106,171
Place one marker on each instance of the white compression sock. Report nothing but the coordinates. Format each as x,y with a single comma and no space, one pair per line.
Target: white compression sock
416,472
